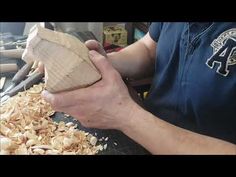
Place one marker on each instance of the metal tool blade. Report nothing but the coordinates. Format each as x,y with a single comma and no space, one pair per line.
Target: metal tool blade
4,99
24,85
19,76
8,89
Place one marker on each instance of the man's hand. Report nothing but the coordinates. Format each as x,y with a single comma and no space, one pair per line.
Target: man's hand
40,67
95,45
106,104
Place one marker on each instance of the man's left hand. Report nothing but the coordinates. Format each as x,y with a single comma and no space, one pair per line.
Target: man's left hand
106,104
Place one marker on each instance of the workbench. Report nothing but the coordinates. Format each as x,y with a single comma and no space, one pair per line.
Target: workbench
117,143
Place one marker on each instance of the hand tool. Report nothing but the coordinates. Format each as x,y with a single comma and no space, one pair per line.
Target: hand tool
24,85
10,67
19,76
12,53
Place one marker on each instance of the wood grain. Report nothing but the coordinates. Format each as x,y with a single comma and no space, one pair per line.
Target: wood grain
65,58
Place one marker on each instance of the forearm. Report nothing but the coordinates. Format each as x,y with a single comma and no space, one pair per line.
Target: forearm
160,137
135,61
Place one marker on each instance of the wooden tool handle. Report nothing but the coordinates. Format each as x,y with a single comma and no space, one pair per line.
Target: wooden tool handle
5,68
20,75
29,82
12,53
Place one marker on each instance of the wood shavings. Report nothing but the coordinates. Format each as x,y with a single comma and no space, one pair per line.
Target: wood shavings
39,151
93,140
4,130
46,147
66,115
31,142
4,152
52,152
26,128
5,143
22,150
69,124
100,147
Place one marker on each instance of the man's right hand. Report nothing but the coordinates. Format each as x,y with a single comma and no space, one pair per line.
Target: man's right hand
95,45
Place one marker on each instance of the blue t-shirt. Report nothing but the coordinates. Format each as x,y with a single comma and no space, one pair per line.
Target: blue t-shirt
194,85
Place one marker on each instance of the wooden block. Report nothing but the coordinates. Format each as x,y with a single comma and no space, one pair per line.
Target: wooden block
66,59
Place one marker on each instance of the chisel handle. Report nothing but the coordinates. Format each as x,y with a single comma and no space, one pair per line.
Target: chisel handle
6,68
12,53
27,83
22,73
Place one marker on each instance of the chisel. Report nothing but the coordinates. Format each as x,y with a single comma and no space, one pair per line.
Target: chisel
19,76
24,85
8,68
11,53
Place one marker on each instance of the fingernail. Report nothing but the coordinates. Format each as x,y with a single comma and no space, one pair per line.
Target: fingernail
45,94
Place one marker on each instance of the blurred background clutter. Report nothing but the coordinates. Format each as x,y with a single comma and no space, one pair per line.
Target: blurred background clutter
113,35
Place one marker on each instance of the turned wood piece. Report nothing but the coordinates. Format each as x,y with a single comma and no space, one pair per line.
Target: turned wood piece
65,58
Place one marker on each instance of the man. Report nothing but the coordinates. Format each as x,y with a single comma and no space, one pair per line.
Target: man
191,107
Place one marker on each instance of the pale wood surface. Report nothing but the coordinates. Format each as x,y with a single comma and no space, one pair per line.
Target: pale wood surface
12,53
65,58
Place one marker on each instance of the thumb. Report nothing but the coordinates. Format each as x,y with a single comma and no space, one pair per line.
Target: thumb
95,45
101,63
47,96
41,67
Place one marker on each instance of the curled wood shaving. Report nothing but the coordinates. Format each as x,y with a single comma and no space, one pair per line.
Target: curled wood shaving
26,128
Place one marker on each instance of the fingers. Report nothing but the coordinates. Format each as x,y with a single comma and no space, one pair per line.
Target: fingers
59,100
95,45
101,63
41,67
66,99
82,95
59,105
72,103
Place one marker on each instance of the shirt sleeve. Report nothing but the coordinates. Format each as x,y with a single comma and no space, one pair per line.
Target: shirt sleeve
155,30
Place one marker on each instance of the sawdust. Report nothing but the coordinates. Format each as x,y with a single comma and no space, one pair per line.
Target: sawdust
26,128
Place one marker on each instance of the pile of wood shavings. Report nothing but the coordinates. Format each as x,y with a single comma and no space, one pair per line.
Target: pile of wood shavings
26,128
